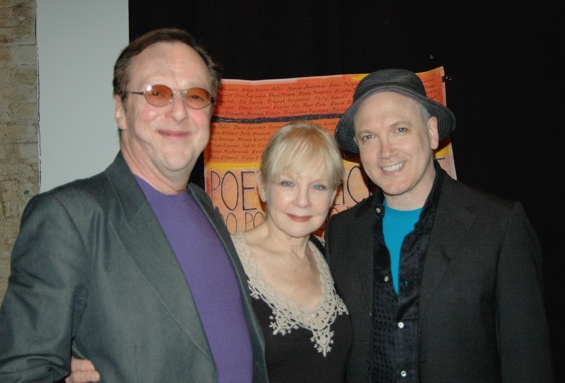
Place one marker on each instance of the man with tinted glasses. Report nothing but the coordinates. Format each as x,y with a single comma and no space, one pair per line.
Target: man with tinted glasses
133,268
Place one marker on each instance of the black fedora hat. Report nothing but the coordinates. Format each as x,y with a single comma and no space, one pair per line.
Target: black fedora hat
400,81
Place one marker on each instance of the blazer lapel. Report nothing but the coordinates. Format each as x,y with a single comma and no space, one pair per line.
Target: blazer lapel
456,219
152,253
363,256
255,332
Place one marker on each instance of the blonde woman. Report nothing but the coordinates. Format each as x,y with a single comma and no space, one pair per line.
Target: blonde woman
305,323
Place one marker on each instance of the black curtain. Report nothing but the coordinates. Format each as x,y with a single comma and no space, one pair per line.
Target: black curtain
498,56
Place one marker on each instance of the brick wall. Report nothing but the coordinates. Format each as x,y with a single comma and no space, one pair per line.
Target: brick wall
19,151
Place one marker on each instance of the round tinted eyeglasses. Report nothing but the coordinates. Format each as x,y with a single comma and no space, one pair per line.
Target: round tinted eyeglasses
161,95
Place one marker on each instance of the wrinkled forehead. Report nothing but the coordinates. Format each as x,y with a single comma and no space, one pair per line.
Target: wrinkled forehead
172,61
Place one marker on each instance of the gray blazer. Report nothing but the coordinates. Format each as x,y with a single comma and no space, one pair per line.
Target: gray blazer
93,274
482,317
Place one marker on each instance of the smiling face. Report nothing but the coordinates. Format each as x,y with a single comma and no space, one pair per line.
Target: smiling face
396,140
162,144
298,203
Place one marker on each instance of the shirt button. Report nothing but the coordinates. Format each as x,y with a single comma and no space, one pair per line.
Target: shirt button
403,373
386,278
400,324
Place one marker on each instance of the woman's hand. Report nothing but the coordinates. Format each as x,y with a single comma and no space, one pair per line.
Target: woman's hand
82,371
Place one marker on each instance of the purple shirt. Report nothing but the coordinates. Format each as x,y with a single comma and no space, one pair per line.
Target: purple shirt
212,280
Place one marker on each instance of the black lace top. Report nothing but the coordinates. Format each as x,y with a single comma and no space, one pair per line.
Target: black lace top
301,344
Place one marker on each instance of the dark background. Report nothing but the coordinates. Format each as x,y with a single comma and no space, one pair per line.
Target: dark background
500,58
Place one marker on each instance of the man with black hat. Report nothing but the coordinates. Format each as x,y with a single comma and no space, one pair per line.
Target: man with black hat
443,282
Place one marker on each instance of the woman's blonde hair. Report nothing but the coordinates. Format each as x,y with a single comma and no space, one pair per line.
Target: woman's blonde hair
298,145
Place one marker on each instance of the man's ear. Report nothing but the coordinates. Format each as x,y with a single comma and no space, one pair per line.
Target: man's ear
433,132
119,112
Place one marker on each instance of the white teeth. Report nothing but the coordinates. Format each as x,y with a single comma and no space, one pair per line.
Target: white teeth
393,168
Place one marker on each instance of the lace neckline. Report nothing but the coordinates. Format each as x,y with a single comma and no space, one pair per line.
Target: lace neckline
287,315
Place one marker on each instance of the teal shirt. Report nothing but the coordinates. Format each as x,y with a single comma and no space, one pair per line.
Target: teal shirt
397,224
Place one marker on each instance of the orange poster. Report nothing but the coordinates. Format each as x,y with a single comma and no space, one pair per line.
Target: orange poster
247,113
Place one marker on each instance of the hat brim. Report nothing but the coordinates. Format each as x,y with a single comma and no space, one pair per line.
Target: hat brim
344,131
